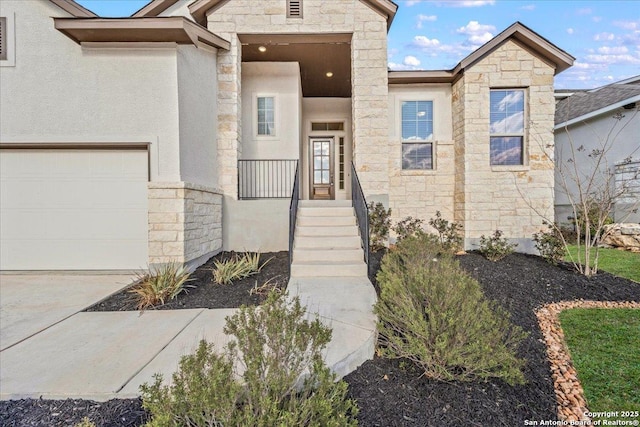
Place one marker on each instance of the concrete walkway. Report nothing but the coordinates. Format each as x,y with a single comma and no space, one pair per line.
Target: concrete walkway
69,354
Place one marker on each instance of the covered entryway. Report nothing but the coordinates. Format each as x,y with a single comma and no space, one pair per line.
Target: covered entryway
80,208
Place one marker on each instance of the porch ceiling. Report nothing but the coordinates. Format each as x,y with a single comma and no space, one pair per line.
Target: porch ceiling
317,55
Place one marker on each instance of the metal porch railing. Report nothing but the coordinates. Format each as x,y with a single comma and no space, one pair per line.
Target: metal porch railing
362,213
266,179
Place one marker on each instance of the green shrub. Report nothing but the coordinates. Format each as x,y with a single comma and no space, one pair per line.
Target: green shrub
160,285
550,244
407,227
432,313
237,267
86,422
496,247
595,214
379,225
448,232
285,382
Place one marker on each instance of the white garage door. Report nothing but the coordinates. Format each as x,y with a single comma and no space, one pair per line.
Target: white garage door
73,209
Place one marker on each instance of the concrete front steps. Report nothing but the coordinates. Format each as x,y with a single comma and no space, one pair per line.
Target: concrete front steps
327,241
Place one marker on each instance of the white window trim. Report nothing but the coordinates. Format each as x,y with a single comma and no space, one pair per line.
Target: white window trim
10,44
431,141
276,116
525,145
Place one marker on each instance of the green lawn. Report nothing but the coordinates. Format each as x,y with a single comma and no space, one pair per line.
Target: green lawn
605,349
621,263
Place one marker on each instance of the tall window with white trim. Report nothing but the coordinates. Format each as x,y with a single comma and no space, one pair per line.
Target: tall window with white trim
266,116
506,127
417,134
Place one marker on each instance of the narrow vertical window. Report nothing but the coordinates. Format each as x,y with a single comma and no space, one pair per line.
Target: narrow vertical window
266,116
506,127
294,8
417,135
341,163
3,38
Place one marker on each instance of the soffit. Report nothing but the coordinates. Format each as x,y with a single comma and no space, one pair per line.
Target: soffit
317,54
73,8
176,29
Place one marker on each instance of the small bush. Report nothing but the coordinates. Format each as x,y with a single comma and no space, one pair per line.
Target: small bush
448,232
407,227
226,272
285,382
379,225
160,285
496,247
550,245
432,313
595,214
86,422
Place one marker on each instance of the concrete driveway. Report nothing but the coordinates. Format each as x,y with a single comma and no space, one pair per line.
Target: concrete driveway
30,303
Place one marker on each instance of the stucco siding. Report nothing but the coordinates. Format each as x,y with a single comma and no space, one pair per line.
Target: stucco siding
59,91
197,97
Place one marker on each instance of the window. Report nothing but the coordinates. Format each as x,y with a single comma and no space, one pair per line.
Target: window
341,163
266,116
506,127
3,38
417,135
327,126
294,8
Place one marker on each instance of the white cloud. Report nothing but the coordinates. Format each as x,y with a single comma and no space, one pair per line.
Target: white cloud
611,59
477,33
529,7
616,50
628,25
411,61
604,36
596,18
584,11
453,3
425,18
570,30
425,42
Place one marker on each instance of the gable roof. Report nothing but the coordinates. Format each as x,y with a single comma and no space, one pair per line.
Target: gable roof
73,8
583,105
199,8
542,47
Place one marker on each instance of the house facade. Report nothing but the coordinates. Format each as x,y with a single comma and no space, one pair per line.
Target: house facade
179,131
605,118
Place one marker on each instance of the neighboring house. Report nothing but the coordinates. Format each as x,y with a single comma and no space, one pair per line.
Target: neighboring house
175,133
606,117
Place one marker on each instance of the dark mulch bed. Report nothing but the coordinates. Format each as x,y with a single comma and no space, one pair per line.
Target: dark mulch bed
204,293
393,393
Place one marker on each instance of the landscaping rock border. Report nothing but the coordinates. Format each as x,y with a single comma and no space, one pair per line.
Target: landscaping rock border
572,405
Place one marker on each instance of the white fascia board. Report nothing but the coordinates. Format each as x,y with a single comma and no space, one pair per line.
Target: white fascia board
598,112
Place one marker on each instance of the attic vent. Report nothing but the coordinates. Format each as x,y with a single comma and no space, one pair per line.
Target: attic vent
294,8
3,38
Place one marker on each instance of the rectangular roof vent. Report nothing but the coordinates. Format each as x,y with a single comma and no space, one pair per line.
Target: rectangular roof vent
294,8
3,38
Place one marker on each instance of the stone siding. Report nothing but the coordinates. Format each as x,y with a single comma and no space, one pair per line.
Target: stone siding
369,77
185,222
513,199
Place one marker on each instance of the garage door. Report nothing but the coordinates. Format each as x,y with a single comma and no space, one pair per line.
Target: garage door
73,209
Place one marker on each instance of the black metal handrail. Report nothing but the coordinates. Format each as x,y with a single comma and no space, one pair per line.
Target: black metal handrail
362,213
293,212
266,178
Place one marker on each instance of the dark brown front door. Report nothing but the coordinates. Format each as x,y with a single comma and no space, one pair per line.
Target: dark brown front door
321,153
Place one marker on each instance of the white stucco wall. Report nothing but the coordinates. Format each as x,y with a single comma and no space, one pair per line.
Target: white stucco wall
621,136
327,110
197,100
282,81
59,91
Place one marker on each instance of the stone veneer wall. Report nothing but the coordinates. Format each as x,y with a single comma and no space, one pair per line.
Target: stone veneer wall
185,223
369,77
510,198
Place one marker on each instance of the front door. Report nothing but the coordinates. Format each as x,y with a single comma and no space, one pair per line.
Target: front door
321,153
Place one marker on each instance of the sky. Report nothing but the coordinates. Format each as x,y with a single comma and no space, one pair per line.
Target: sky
603,36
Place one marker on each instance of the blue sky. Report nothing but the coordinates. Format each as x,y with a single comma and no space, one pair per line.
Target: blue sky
604,36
